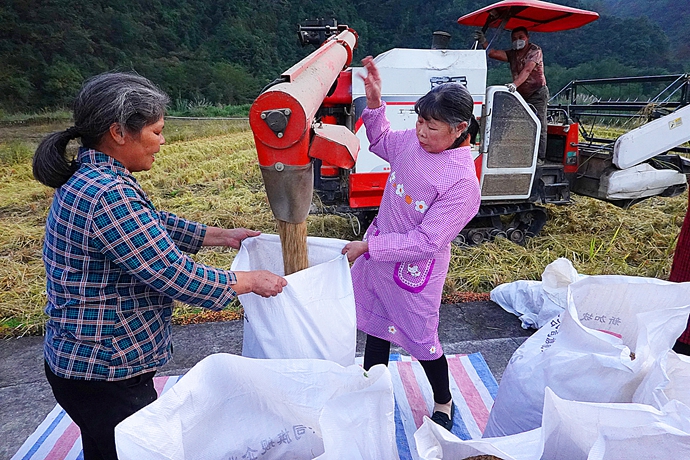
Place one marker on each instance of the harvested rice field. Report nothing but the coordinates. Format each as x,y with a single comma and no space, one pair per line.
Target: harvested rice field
208,172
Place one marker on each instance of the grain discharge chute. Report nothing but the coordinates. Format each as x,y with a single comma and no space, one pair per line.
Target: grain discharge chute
288,137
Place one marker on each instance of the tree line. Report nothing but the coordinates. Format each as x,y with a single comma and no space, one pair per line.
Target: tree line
214,52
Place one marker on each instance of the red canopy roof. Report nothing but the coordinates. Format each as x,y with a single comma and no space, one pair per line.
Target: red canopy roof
535,15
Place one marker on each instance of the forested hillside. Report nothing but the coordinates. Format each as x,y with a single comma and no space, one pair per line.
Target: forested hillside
671,15
225,52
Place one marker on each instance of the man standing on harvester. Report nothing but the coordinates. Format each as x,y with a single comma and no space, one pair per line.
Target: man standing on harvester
527,68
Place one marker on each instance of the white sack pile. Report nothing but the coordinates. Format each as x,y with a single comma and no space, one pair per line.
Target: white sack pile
229,407
598,381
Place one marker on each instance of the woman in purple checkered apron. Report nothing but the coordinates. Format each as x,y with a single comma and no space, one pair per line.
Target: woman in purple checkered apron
401,264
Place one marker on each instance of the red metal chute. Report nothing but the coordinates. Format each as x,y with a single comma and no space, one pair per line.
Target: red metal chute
282,120
534,15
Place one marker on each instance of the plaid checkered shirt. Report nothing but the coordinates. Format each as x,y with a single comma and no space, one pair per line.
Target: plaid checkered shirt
114,265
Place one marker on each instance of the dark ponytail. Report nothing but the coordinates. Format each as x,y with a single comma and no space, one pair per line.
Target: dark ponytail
50,164
127,99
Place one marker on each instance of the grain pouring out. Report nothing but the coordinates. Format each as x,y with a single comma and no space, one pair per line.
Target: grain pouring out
293,238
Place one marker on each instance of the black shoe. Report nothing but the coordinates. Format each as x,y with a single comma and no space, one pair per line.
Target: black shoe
442,419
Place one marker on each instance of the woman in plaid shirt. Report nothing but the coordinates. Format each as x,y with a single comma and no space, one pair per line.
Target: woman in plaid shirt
115,264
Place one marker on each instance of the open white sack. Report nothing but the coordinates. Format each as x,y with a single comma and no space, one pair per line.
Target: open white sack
538,302
575,430
668,379
436,443
598,350
594,431
314,317
229,407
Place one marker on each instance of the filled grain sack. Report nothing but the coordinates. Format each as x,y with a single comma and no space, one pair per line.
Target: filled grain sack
598,350
230,407
666,381
576,430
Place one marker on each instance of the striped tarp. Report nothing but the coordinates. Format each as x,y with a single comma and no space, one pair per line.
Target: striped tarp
472,385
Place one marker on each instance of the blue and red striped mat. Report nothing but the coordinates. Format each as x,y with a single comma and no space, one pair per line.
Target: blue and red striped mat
472,385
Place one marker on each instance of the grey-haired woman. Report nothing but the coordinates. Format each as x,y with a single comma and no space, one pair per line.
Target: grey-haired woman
114,264
432,193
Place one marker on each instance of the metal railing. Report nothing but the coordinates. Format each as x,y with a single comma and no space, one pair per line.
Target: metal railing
589,102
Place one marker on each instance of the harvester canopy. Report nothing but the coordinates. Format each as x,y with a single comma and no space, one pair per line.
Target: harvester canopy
534,15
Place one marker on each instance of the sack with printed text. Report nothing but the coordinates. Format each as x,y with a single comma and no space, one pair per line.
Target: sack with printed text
231,407
598,350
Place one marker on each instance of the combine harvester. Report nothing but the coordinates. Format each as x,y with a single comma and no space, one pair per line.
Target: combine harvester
636,165
349,180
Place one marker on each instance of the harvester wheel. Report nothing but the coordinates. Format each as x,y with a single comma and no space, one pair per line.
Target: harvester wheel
496,233
460,240
476,236
516,235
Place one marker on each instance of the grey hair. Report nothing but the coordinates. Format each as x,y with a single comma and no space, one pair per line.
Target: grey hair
127,99
450,103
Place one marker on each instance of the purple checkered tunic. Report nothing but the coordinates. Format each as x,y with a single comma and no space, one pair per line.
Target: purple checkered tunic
114,265
428,199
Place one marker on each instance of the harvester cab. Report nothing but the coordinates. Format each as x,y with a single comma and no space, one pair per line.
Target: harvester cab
513,184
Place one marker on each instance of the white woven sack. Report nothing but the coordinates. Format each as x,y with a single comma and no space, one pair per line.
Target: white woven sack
436,443
598,350
229,406
602,431
314,317
667,380
538,302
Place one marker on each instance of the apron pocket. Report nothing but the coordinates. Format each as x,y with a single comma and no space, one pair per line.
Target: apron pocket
413,276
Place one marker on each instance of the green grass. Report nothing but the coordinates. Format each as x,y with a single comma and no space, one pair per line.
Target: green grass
597,237
183,108
15,152
177,130
35,118
179,108
208,172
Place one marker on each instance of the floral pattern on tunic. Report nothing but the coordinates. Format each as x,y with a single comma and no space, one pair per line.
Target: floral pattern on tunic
419,205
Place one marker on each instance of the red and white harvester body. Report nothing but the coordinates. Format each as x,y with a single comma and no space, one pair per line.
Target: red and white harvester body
310,138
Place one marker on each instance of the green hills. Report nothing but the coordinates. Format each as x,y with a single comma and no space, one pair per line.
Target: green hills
210,52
